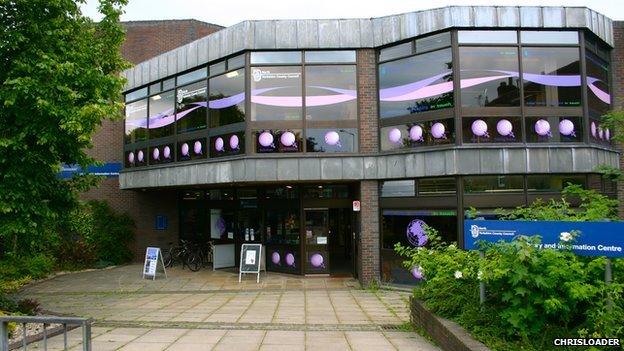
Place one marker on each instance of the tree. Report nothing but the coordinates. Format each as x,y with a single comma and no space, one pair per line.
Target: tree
59,81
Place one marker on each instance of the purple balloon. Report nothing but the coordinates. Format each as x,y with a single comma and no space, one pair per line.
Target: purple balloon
417,273
131,157
220,225
265,139
140,155
416,233
332,138
416,133
479,128
566,127
167,152
607,134
155,153
504,128
593,129
197,147
219,144
542,128
394,135
275,257
317,260
234,142
287,139
290,259
600,133
185,149
438,130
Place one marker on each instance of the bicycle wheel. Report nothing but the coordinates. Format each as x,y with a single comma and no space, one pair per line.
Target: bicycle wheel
194,261
168,257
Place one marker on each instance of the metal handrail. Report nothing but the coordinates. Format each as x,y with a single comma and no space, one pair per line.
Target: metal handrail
45,320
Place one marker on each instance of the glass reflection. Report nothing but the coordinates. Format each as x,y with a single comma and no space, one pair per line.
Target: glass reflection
551,76
437,132
191,108
489,76
554,129
136,121
276,93
492,130
416,84
161,117
331,140
227,98
598,94
331,93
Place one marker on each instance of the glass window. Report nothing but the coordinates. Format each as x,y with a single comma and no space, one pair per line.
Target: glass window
192,149
236,62
437,186
168,84
326,192
136,121
416,84
137,94
264,57
398,188
276,93
493,184
227,98
140,158
549,37
282,192
551,76
154,88
433,42
191,108
489,76
161,154
331,93
395,51
552,183
395,224
598,94
331,140
268,141
491,129
192,76
217,68
330,56
162,118
598,133
227,144
487,37
438,132
554,129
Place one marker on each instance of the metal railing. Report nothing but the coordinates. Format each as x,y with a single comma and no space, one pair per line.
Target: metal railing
46,321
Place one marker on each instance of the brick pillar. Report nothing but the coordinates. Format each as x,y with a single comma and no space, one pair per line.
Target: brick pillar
369,233
368,248
617,65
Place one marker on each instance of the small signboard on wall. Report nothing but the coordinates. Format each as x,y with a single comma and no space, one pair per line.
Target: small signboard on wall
153,255
356,206
251,260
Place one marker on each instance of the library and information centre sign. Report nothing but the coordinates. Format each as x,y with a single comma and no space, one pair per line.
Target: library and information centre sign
594,239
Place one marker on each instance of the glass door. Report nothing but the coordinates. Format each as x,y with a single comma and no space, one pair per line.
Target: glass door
316,240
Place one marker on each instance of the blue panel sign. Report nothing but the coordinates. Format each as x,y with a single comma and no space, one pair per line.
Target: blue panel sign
108,170
595,238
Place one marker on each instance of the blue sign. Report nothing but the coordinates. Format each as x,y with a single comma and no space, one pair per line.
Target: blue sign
595,238
108,170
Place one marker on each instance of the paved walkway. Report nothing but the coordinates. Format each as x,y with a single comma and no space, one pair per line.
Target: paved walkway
212,311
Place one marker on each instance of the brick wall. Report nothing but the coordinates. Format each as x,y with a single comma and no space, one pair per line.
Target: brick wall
369,234
144,39
367,101
618,92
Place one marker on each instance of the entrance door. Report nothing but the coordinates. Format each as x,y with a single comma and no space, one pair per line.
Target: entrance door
316,236
340,242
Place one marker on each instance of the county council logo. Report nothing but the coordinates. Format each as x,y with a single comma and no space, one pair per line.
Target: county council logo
256,74
474,231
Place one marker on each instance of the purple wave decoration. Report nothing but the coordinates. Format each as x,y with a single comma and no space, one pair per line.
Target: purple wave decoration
424,88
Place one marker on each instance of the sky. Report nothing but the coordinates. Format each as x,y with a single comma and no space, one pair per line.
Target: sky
229,12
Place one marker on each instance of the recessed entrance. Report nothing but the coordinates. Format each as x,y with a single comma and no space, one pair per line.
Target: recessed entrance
305,229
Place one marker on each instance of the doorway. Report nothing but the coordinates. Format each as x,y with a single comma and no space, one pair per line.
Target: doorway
328,238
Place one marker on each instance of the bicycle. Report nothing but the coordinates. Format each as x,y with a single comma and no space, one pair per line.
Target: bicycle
199,256
177,253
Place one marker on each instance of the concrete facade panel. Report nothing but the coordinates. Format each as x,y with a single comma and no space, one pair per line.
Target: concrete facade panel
329,33
287,34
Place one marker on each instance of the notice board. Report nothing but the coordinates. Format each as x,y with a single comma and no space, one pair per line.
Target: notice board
250,260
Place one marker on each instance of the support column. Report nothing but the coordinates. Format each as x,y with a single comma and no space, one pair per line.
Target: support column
368,245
